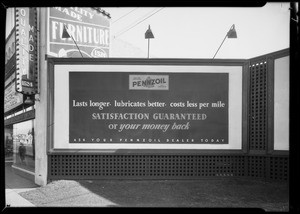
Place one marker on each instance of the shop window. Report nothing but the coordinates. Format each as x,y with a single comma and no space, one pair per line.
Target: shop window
24,145
8,142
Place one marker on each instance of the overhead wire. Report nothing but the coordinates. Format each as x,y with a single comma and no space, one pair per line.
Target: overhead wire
125,30
124,15
132,24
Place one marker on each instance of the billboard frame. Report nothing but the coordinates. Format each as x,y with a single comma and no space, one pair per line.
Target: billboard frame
139,61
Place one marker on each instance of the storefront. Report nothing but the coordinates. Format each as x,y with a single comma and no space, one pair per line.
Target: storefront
19,140
27,29
19,126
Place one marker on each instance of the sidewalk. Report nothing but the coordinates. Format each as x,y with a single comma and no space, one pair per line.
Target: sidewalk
204,193
14,185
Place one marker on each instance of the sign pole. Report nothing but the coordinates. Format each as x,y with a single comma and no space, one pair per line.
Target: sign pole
148,47
77,46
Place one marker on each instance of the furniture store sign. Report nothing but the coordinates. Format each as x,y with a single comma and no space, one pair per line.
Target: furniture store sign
157,108
88,28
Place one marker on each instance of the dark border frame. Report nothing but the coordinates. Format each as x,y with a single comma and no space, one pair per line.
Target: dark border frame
51,62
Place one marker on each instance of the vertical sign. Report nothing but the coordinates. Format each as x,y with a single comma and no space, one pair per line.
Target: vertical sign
26,50
87,27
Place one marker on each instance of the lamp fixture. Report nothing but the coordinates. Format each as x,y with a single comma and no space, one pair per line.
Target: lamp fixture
149,35
232,32
28,101
66,35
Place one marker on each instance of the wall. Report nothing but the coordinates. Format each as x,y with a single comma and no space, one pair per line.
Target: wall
281,103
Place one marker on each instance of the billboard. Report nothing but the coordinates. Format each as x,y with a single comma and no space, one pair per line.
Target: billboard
87,27
118,105
156,108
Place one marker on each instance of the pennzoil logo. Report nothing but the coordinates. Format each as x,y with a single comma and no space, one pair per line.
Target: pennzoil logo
149,82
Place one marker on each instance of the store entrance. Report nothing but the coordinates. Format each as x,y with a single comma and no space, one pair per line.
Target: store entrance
24,145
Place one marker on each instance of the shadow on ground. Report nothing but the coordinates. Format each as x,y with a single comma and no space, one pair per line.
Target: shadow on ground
224,193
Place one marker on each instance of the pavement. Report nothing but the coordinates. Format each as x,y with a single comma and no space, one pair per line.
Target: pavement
14,185
204,193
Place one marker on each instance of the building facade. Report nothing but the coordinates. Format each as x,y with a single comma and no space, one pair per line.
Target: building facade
72,111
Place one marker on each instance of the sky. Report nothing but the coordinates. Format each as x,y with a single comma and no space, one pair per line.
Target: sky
195,32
